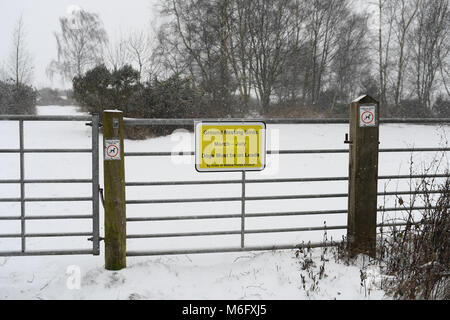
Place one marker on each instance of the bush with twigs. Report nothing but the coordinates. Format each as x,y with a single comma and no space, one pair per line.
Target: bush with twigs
415,256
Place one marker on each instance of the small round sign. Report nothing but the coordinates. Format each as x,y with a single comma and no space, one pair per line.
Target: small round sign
112,151
367,117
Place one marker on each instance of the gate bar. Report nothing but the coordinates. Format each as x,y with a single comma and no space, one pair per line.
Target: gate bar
191,121
246,249
22,185
230,232
264,214
286,197
95,185
243,210
145,122
47,235
44,253
38,181
71,217
254,231
320,179
43,118
317,151
131,121
45,150
228,250
46,199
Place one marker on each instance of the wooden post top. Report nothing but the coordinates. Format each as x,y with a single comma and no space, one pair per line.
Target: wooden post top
365,99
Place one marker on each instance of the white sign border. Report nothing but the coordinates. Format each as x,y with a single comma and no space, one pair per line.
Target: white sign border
372,108
107,144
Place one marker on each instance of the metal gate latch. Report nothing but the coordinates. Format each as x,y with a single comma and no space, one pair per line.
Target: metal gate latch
346,139
92,239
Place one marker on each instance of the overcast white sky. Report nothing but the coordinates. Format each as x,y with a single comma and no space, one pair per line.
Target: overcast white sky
41,20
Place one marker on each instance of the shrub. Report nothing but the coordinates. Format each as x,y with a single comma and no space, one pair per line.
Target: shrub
416,255
417,258
15,99
100,89
442,107
91,91
412,109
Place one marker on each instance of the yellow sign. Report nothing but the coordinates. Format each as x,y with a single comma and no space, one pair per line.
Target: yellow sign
230,146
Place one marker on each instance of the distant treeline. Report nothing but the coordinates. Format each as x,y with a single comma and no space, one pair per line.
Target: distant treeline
177,97
277,58
259,58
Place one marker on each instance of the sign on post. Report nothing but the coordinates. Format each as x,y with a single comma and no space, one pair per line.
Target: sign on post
114,188
363,176
112,149
230,146
367,116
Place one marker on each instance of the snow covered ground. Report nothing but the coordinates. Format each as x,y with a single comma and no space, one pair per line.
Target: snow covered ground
263,275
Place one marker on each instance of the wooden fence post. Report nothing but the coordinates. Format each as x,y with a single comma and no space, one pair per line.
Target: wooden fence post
363,176
114,184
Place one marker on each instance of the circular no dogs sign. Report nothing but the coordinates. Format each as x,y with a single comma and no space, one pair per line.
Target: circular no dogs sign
112,149
367,116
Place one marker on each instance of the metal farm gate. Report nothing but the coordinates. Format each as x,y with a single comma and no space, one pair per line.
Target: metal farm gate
91,183
243,199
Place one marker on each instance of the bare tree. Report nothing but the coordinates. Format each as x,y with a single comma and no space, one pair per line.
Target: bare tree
117,53
198,36
3,73
141,53
385,30
444,67
269,34
324,18
404,13
291,78
80,44
307,52
297,43
20,63
167,54
351,60
428,43
238,51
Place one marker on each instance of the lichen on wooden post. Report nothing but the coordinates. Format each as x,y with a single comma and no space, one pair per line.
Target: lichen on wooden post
363,176
114,185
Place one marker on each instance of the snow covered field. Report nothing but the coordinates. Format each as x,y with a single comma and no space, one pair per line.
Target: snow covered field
266,275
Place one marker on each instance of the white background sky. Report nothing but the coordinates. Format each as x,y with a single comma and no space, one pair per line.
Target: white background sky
41,18
41,21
